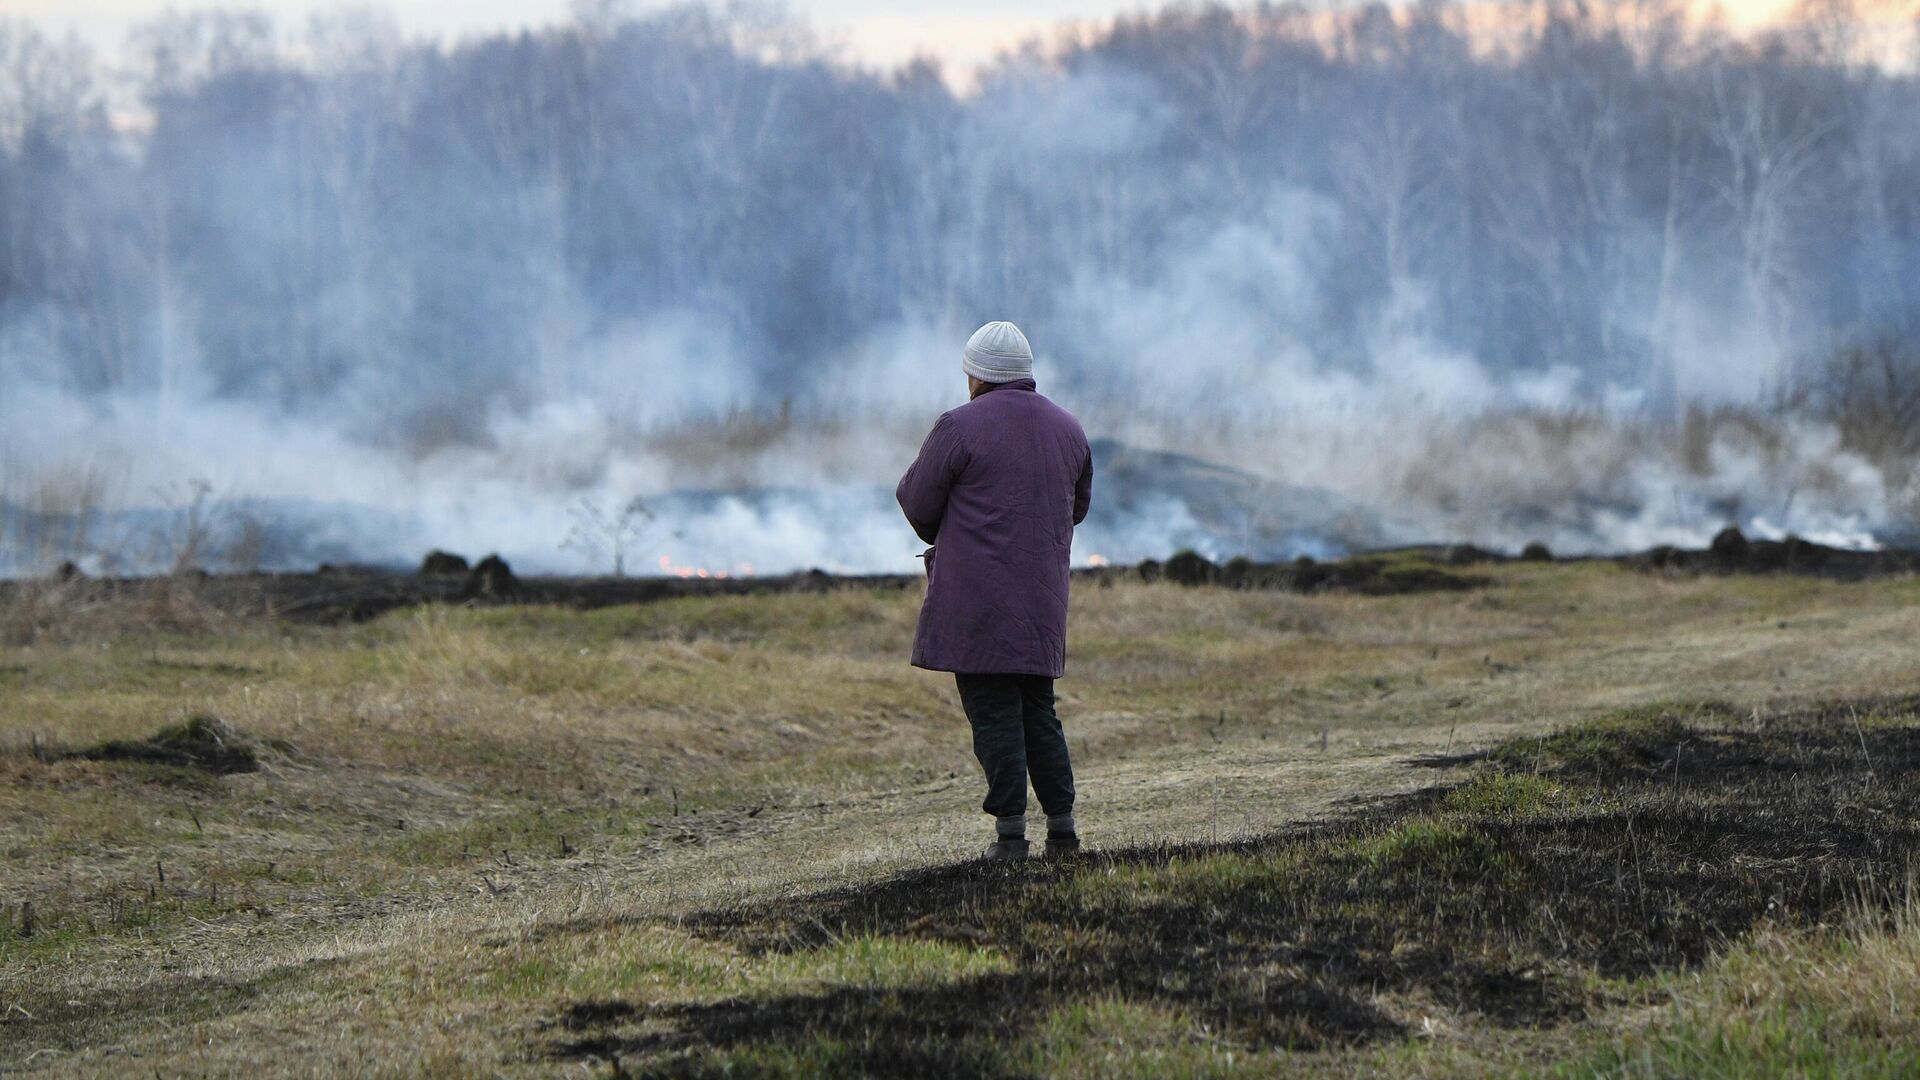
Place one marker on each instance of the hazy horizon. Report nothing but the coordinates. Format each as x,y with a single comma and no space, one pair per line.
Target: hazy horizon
1619,284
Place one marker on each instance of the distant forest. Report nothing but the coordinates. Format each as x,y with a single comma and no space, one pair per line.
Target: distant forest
707,202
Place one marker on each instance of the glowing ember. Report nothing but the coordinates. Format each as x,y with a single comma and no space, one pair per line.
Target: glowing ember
673,569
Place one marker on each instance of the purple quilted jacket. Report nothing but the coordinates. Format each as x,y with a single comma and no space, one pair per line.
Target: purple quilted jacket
997,489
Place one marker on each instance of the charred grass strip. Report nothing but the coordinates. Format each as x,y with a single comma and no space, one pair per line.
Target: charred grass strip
1569,875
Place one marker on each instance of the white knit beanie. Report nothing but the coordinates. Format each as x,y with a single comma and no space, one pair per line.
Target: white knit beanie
998,352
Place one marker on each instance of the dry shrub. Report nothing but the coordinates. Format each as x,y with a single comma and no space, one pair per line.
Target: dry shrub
1870,392
49,517
83,609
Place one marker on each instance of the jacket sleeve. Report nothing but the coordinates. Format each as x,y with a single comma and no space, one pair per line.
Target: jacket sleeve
1083,491
923,490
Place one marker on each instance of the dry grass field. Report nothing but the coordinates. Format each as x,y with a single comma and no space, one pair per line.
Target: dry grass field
1584,821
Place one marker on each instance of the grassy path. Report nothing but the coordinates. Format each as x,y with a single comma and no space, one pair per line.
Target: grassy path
468,823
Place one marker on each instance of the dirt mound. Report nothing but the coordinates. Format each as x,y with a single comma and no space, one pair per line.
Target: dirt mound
1469,555
1733,552
1190,568
1730,546
443,562
1386,574
491,579
203,742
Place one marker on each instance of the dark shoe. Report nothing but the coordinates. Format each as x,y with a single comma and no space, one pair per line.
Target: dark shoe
1063,845
1007,849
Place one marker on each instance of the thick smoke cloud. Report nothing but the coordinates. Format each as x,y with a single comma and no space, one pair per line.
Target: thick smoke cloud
353,296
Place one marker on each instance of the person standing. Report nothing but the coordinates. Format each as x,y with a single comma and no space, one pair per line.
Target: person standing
997,489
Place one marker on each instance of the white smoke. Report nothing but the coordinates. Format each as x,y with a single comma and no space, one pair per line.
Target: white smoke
1236,343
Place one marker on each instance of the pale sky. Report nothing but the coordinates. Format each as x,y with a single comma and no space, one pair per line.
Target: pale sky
876,31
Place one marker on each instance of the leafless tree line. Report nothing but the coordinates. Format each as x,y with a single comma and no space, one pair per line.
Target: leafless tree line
410,231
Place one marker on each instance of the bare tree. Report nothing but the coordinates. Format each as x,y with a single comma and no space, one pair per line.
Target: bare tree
603,535
191,518
1771,139
1870,390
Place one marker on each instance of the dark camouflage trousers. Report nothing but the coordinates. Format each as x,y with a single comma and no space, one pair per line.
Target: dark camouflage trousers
1016,736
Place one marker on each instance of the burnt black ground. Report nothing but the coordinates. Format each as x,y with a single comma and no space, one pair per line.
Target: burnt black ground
357,594
1638,843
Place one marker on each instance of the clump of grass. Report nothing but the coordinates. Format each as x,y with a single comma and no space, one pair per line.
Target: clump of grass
1440,850
1506,795
1120,1038
206,743
1628,739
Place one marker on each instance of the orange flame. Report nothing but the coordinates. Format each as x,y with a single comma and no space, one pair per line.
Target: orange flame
674,569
